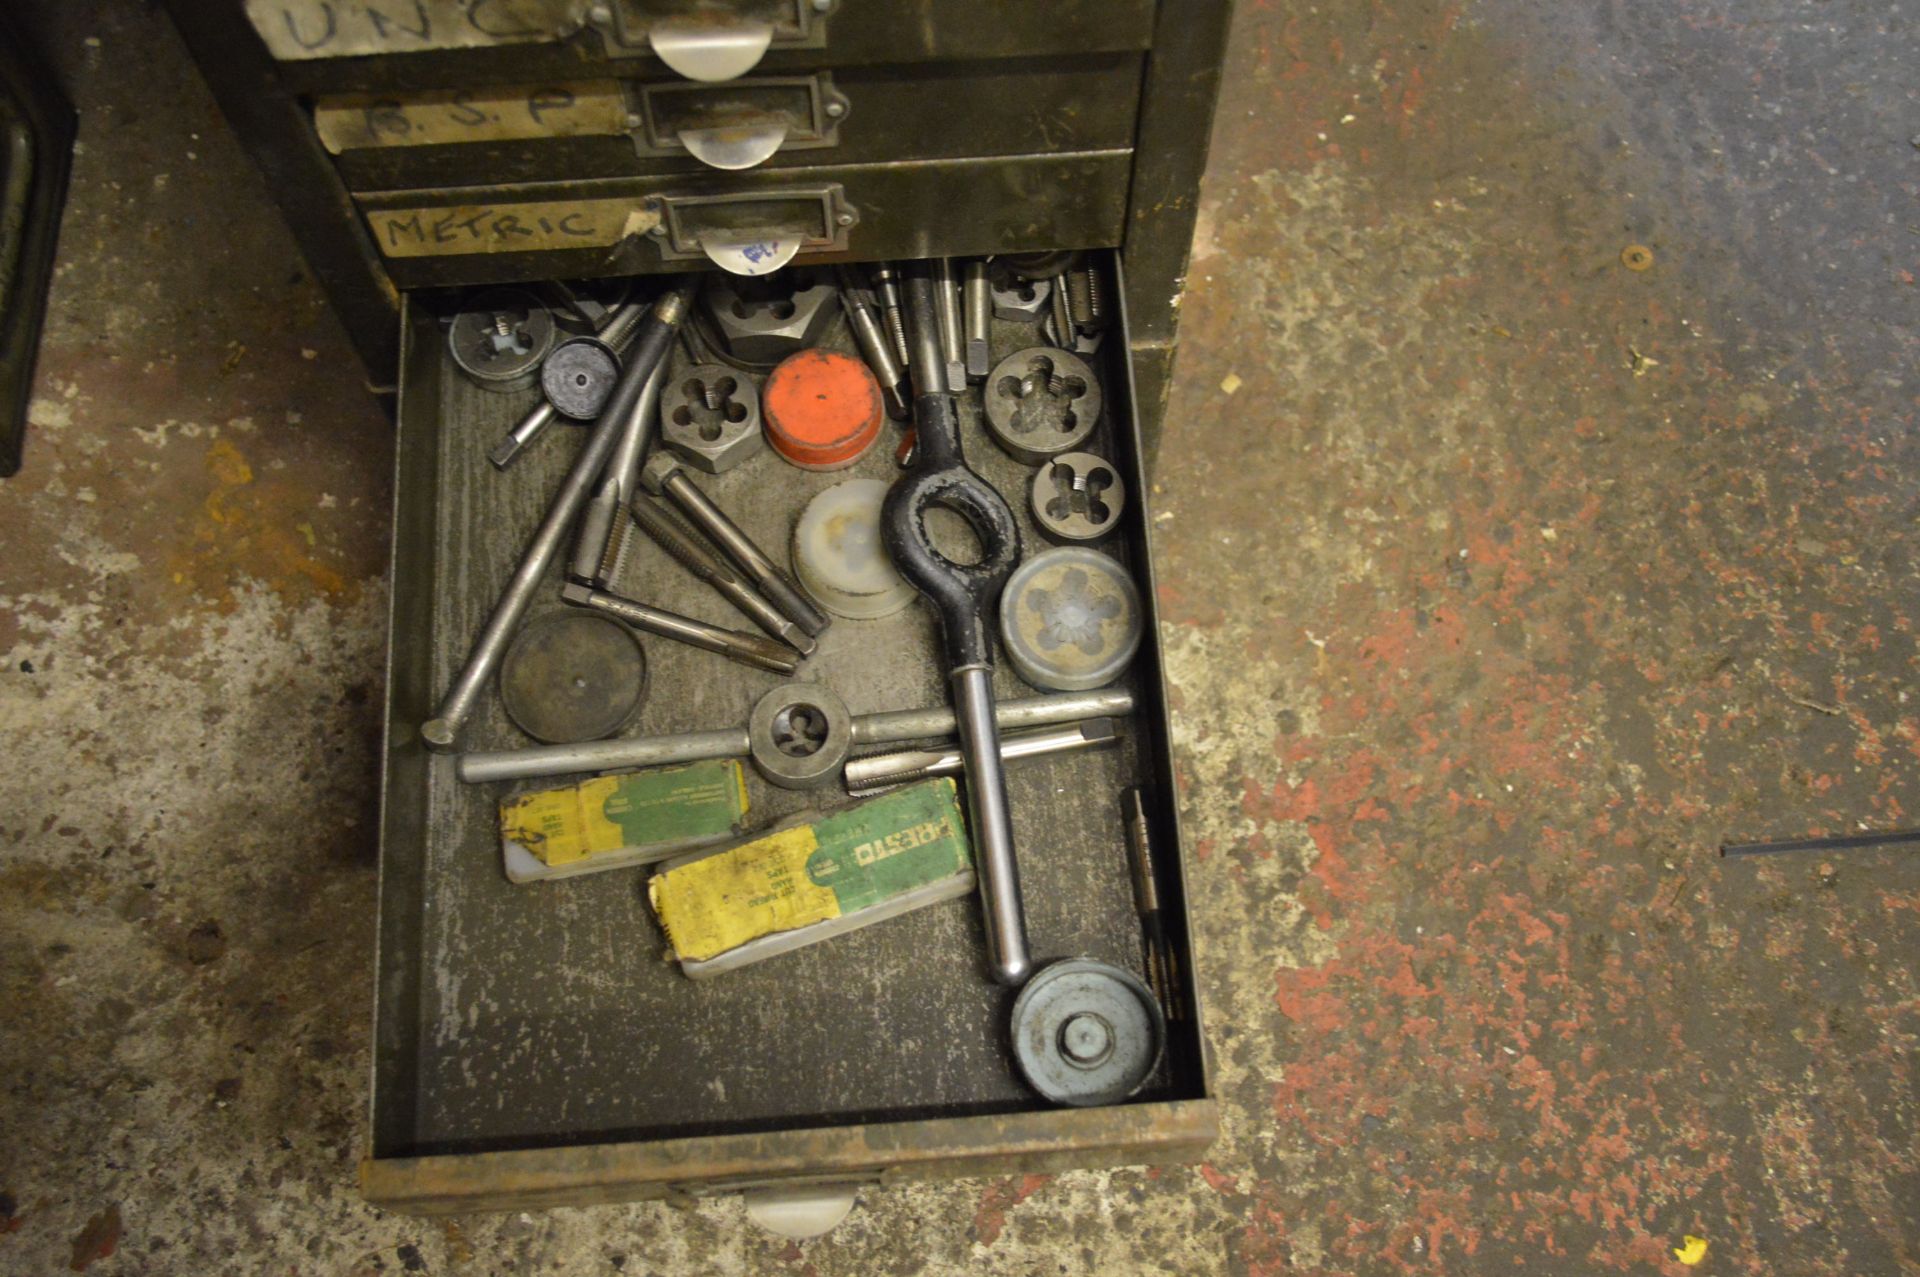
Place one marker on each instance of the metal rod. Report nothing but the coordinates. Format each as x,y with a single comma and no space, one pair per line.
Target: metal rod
1837,842
684,546
748,649
600,546
884,728
442,731
977,300
1156,948
739,547
619,328
928,365
517,440
878,772
990,824
622,324
886,285
1146,891
601,755
1062,313
890,727
946,305
874,345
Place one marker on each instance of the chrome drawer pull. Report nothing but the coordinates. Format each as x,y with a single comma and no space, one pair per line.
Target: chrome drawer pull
708,40
739,124
753,232
702,49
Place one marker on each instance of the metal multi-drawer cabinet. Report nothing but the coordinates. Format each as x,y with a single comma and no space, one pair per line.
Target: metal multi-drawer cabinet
532,1046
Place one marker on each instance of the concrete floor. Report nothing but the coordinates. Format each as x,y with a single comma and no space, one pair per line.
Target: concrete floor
1507,582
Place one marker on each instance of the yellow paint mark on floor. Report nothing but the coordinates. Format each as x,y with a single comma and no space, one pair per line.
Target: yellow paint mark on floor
226,464
247,527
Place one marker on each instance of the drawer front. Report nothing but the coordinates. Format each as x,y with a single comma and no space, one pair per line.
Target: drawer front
646,126
646,225
333,46
885,1154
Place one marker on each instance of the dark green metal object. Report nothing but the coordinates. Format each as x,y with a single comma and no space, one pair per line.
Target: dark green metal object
36,145
277,132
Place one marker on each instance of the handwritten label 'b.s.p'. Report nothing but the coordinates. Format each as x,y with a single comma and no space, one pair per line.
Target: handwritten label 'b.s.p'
439,117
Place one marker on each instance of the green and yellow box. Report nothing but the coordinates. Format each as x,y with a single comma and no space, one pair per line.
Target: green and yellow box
613,821
814,878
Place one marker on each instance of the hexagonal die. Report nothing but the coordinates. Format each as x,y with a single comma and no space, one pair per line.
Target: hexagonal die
710,417
764,320
1021,300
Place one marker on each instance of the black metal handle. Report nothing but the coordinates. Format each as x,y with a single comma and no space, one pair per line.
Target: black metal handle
964,594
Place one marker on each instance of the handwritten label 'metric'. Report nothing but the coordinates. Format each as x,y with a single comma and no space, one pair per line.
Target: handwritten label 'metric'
507,228
295,30
359,121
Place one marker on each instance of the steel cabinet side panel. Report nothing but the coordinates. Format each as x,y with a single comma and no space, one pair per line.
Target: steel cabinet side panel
1176,123
412,577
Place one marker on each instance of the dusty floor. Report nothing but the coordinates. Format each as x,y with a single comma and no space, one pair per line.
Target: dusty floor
1509,582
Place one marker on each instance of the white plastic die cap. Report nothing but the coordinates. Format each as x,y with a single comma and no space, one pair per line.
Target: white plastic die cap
839,557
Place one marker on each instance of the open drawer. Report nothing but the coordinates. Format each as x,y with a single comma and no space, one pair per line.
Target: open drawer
533,1045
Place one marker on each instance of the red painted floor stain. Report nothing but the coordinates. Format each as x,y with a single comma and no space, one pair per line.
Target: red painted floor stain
990,1220
97,1241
